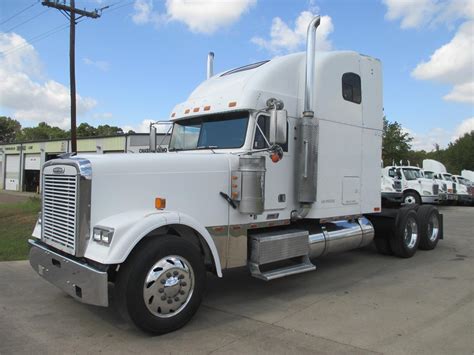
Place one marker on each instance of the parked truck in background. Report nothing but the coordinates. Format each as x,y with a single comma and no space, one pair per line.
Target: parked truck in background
270,166
465,192
415,187
433,169
392,194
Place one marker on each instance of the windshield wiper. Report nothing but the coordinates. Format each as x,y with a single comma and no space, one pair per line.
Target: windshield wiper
207,147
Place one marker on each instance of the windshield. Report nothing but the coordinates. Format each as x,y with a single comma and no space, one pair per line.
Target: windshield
429,174
412,174
447,177
219,131
464,181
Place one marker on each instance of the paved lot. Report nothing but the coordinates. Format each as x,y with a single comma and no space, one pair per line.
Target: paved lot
357,302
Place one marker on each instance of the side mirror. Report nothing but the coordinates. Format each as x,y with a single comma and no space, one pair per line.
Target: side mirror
278,121
152,139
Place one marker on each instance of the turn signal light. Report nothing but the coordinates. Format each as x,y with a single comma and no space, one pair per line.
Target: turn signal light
160,203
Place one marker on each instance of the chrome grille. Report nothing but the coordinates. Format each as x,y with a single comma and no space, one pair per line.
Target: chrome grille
60,211
435,189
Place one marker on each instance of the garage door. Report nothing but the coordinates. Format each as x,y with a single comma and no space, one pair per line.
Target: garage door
32,161
12,172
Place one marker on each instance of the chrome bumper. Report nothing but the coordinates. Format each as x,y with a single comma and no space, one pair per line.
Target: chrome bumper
81,281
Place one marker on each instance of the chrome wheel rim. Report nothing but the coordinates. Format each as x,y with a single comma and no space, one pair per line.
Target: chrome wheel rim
168,286
410,200
410,236
433,227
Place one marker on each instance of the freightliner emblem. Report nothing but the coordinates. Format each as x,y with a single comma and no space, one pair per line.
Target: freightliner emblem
59,170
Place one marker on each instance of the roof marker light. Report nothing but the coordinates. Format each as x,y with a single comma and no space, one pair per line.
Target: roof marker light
196,109
207,108
187,111
232,104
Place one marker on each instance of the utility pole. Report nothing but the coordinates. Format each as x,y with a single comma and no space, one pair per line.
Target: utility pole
70,12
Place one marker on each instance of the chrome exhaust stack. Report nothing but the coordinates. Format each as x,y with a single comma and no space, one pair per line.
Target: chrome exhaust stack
307,133
210,65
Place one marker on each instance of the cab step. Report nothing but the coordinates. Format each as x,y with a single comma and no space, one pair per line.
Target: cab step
279,247
269,275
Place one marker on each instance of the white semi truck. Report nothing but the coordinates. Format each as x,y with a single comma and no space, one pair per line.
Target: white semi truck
464,188
434,169
270,166
415,187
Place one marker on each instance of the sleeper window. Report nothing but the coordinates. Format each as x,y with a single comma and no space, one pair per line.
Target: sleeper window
351,88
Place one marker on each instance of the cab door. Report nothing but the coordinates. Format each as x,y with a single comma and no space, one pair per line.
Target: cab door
277,176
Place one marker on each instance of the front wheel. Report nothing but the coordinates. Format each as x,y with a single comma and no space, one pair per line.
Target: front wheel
411,198
162,284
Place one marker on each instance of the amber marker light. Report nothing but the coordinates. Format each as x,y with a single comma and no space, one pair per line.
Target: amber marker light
186,111
160,203
232,104
376,209
173,114
207,108
196,109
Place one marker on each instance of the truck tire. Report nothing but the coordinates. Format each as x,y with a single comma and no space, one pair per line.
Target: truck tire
405,237
429,227
411,198
161,285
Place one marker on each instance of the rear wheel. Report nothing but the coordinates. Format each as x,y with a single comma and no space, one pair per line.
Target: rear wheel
429,227
383,230
405,237
162,284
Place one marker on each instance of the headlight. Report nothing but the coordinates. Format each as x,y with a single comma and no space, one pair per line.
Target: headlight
103,235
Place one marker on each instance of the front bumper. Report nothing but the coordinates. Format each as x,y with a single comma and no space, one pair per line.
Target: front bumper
429,199
77,279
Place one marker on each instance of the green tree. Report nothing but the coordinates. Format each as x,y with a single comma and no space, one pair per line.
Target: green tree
106,130
396,143
86,130
41,132
9,129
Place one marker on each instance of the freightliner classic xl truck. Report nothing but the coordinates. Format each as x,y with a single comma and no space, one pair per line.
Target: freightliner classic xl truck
270,166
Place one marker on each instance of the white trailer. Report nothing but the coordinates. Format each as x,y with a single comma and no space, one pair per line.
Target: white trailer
270,166
415,187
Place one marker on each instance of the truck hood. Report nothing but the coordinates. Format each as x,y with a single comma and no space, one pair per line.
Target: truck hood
190,183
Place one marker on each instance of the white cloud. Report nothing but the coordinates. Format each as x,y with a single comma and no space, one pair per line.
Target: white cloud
200,16
144,127
99,64
24,90
286,39
453,64
102,116
466,126
412,13
418,13
428,140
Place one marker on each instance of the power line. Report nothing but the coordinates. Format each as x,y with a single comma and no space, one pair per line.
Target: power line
38,38
19,12
26,21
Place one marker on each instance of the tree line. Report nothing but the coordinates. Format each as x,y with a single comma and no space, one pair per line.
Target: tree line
458,155
397,144
11,131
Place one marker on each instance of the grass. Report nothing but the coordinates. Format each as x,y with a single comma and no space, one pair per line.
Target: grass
17,221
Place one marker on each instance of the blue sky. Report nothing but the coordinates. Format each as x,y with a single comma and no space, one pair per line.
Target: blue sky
142,57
